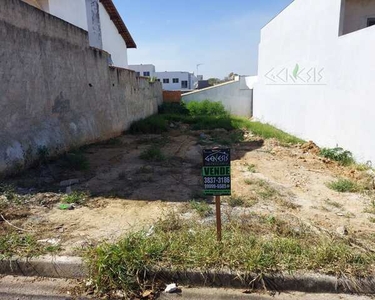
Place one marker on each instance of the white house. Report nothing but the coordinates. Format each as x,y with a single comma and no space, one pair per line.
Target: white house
177,81
146,70
107,30
171,81
316,73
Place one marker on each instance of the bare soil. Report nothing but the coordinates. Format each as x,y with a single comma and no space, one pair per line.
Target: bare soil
127,193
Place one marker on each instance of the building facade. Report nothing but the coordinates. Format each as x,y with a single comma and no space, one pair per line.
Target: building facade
147,70
316,73
107,31
177,81
171,81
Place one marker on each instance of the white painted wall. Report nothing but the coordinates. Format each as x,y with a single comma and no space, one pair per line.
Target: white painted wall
341,110
356,14
236,96
143,68
113,42
181,76
72,11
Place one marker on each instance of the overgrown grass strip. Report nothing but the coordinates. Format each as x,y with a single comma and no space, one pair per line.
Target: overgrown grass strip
180,246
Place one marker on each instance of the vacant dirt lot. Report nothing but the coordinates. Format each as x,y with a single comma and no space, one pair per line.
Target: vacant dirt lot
125,193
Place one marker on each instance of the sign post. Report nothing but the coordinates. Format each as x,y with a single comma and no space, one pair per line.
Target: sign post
218,217
217,178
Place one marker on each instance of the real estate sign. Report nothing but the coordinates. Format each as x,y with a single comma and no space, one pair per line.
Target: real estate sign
216,172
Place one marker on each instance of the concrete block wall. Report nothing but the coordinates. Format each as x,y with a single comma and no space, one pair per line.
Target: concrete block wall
56,91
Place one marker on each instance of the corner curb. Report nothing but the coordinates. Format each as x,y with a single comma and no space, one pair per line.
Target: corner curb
45,266
298,282
74,268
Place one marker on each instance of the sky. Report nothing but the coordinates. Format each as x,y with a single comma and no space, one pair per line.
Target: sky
222,35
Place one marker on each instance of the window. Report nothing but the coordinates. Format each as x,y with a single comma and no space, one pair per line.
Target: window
176,80
138,74
166,80
146,74
370,22
158,79
184,84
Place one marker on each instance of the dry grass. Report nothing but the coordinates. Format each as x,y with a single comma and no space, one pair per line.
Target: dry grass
252,244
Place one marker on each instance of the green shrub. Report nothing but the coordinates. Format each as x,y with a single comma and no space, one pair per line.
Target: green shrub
206,108
152,154
344,186
152,125
338,154
173,108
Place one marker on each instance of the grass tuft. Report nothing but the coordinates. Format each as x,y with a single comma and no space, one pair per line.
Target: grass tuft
202,208
265,131
251,168
75,198
262,188
343,157
21,245
236,201
333,203
344,186
152,154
